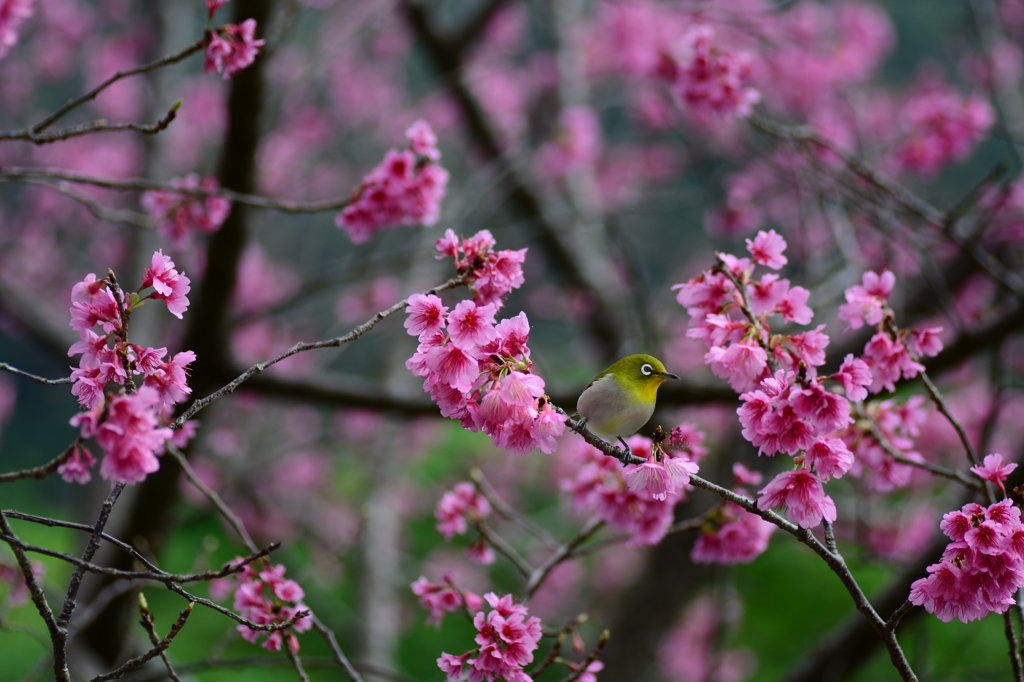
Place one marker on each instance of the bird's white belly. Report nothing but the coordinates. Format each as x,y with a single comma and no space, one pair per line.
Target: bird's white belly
610,411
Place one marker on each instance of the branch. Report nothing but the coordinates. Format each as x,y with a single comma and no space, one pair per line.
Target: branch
536,578
39,380
97,209
940,403
521,564
43,470
198,405
57,634
951,474
150,626
158,649
142,184
71,104
607,448
578,673
505,509
339,656
97,126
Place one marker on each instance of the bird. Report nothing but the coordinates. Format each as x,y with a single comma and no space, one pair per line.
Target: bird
620,400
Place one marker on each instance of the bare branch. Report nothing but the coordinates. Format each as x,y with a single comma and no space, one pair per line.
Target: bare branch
150,627
39,380
97,126
43,470
536,578
339,656
157,650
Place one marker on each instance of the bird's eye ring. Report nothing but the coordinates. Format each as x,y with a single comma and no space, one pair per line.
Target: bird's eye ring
646,369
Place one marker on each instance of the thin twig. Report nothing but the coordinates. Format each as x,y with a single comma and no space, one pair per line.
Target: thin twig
97,126
215,499
43,470
951,474
283,205
582,667
154,639
160,646
499,543
940,403
339,656
897,615
606,448
71,104
300,347
556,648
296,662
536,578
97,209
57,634
505,509
39,380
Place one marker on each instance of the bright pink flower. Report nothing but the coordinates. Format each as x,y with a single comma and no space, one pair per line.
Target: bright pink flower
179,215
452,666
765,295
399,191
855,376
470,325
735,537
925,342
12,13
426,315
809,346
232,48
170,378
802,493
76,469
461,502
442,597
87,384
453,366
766,248
255,599
993,469
793,306
168,284
742,364
830,458
743,476
129,435
888,360
981,568
865,301
99,309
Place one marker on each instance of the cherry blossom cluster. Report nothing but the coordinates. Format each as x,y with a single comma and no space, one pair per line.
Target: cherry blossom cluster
444,597
980,569
179,215
706,79
492,274
636,499
892,422
406,188
891,353
12,13
232,47
479,371
942,126
731,534
125,425
506,641
456,508
265,596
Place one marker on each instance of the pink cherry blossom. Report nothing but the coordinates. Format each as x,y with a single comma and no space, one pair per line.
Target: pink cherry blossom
461,502
232,48
865,301
855,376
793,306
707,79
169,378
266,597
742,364
830,458
422,140
470,326
766,249
802,493
992,469
179,215
443,597
426,315
981,568
76,468
401,190
168,284
942,127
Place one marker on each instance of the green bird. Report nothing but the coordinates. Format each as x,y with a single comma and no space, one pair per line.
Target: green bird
621,399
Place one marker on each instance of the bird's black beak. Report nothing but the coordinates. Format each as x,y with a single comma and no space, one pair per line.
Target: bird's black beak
668,375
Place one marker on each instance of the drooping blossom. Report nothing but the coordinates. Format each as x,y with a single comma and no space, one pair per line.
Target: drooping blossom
12,13
855,376
406,188
127,428
898,423
168,284
76,469
264,596
506,640
443,597
994,470
179,215
801,492
232,48
600,485
865,301
980,569
456,505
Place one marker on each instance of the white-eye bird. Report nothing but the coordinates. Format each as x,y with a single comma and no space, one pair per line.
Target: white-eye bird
620,400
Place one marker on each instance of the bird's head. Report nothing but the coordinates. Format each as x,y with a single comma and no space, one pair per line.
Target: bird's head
642,374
